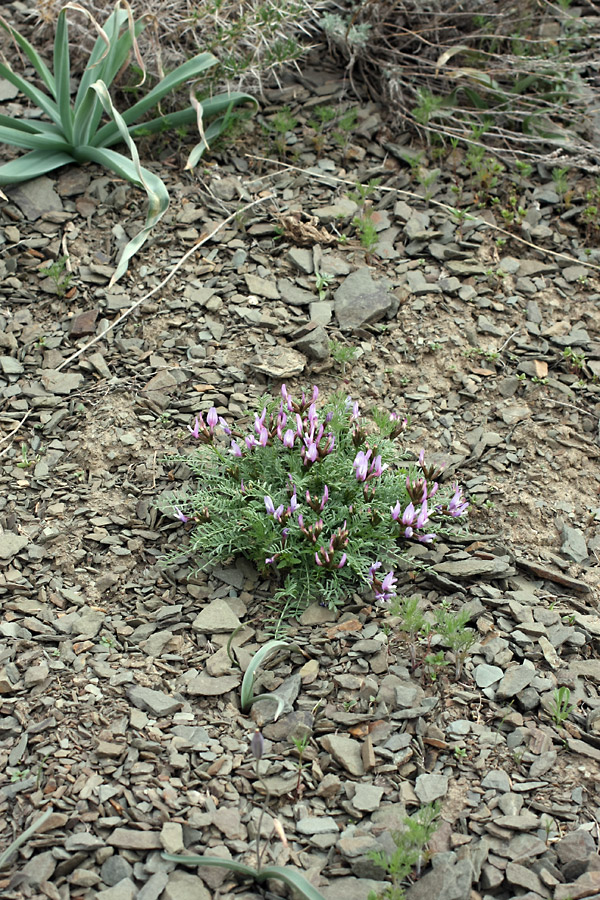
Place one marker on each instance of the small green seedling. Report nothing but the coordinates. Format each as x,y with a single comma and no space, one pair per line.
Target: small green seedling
342,353
55,272
561,708
411,843
322,283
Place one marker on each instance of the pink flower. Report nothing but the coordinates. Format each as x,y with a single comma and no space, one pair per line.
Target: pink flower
198,424
212,418
361,464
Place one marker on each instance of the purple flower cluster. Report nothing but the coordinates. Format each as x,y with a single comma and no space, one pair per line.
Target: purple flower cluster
325,556
365,468
204,431
292,425
384,589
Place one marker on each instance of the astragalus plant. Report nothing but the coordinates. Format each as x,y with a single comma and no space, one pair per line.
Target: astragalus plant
316,498
86,128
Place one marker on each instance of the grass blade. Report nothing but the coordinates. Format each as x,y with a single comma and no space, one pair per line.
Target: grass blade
62,72
32,165
158,198
247,695
108,135
19,138
213,132
289,876
37,97
106,59
32,55
191,69
107,37
5,856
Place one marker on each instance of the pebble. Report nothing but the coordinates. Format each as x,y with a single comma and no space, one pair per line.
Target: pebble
431,787
360,300
345,751
156,703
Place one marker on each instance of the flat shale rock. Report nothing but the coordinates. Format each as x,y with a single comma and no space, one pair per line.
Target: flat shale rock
11,544
131,839
345,751
205,686
279,362
216,618
444,882
185,886
155,702
361,300
348,888
497,567
36,197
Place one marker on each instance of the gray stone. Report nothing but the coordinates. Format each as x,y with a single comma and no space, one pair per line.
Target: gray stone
294,295
302,259
513,414
316,825
61,382
204,686
525,822
524,846
171,837
185,886
515,680
418,284
473,567
216,618
228,820
525,877
8,91
36,197
279,362
343,208
315,344
321,312
574,544
444,882
367,797
131,839
11,544
39,868
83,840
496,780
123,890
154,887
487,675
345,751
315,614
349,888
543,764
361,301
155,702
11,366
262,287
115,869
574,846
430,787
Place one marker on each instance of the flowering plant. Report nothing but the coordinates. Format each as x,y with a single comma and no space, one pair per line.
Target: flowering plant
313,497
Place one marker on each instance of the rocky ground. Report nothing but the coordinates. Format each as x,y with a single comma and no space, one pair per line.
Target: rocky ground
119,705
